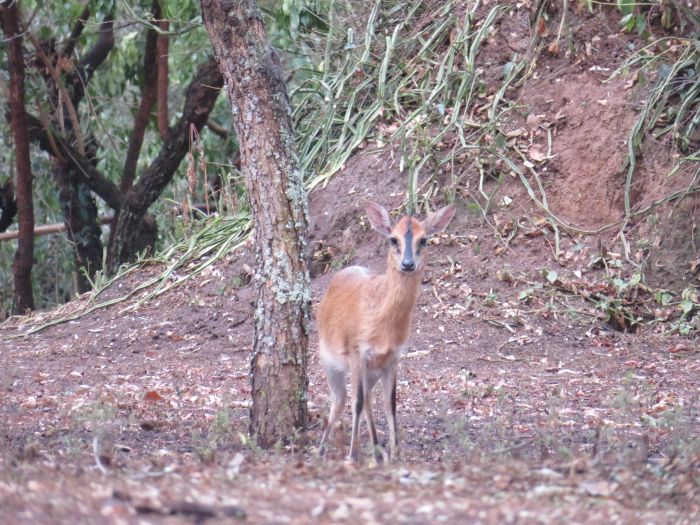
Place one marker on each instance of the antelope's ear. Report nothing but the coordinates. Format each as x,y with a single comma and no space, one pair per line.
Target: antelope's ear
379,218
438,221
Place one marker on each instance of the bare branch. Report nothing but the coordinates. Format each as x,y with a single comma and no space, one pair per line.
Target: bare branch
199,102
75,33
80,78
218,129
56,77
57,147
148,98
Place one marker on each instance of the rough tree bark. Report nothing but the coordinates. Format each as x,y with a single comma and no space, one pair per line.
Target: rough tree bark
24,257
261,117
82,221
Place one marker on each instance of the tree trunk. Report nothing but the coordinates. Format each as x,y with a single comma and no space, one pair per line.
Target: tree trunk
261,117
134,231
24,257
82,222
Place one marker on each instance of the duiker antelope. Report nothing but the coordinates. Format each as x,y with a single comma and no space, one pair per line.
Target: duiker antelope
364,322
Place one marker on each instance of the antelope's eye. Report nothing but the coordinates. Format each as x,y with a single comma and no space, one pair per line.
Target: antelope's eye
422,242
393,241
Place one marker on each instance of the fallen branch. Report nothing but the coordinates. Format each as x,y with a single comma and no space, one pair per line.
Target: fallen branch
49,229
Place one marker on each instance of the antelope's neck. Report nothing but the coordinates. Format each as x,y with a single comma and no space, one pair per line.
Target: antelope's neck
398,293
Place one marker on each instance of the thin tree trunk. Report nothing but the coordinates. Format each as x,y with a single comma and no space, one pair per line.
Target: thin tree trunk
162,58
82,222
75,33
148,98
261,117
24,257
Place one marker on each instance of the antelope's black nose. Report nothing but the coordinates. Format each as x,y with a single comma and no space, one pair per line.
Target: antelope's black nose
408,266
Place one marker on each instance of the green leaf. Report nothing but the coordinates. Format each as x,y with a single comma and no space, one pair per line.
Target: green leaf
663,297
626,7
508,68
294,22
647,419
500,141
687,306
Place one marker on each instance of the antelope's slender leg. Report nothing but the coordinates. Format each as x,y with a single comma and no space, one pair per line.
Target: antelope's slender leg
369,380
357,404
389,385
336,381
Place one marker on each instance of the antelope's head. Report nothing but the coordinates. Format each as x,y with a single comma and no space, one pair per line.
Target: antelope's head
408,238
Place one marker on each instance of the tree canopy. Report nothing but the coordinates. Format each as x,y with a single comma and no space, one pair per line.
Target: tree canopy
110,121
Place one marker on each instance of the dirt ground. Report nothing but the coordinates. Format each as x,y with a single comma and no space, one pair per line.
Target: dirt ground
517,402
510,412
